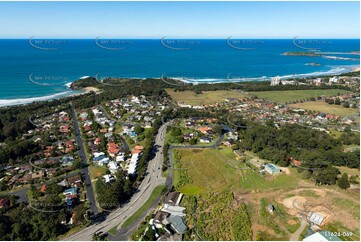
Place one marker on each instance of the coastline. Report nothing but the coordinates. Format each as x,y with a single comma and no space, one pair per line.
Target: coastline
71,92
24,101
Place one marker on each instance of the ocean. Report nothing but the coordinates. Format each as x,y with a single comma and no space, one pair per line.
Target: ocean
38,69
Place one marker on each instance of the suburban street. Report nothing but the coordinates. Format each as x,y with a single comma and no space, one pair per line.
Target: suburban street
152,179
84,170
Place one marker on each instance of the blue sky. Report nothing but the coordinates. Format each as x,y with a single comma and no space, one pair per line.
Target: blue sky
180,19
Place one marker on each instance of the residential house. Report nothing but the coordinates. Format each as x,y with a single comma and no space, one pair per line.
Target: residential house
71,199
64,129
113,166
43,188
63,183
272,169
204,129
159,218
75,181
97,141
177,224
101,160
3,202
204,139
37,174
174,198
113,149
71,191
67,160
137,149
108,178
173,210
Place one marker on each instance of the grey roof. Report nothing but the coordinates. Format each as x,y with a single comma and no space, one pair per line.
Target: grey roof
63,183
177,223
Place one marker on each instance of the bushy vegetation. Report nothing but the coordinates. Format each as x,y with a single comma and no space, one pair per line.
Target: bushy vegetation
219,219
313,148
183,178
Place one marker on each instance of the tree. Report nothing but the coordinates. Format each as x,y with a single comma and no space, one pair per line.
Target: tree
77,165
218,129
326,176
193,141
79,214
138,129
353,179
149,235
3,186
99,236
343,181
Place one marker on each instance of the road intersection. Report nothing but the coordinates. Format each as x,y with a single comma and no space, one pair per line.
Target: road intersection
152,179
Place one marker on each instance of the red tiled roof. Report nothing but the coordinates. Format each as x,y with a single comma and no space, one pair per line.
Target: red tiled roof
72,196
43,188
3,201
137,149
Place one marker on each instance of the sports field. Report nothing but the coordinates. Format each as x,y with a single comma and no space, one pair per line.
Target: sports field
324,107
206,98
293,95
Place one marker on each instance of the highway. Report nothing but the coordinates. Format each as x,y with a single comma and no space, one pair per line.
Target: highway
152,179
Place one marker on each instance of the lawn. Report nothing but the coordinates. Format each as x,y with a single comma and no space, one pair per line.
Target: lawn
206,98
96,171
113,230
293,95
155,194
322,106
349,171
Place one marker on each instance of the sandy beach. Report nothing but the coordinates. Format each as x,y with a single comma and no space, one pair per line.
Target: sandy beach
91,89
356,69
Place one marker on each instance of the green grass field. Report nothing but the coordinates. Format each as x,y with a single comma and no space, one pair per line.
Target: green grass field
293,95
206,98
322,106
216,170
96,171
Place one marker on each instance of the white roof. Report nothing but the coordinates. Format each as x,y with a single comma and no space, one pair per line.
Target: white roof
174,210
120,158
316,218
113,165
108,178
97,154
103,161
133,164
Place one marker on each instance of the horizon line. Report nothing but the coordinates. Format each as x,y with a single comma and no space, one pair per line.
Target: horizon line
175,38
